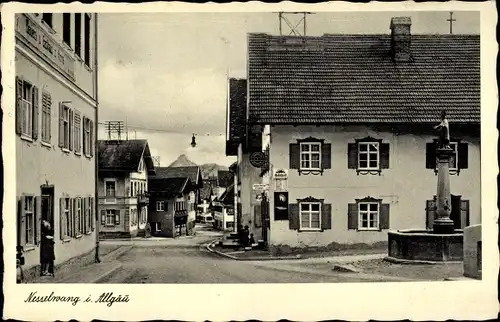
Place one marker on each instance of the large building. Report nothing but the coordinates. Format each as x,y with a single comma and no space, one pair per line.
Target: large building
347,121
56,111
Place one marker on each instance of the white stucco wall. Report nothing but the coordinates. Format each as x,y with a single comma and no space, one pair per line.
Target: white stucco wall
38,164
406,185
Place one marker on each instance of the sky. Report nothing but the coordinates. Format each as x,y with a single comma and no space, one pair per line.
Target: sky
165,74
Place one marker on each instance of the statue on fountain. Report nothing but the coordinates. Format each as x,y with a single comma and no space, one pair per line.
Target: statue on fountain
444,132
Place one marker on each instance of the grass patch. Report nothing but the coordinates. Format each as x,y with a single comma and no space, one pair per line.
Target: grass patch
332,249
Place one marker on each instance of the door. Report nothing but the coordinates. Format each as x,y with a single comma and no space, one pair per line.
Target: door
47,208
455,214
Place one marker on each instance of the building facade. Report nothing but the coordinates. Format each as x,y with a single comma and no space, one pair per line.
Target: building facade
124,167
347,124
56,111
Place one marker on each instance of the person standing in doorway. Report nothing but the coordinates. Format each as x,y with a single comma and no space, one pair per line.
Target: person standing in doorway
47,253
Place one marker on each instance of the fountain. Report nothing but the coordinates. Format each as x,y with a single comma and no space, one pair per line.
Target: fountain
443,243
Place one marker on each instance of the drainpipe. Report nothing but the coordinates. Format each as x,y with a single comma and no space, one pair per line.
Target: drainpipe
96,118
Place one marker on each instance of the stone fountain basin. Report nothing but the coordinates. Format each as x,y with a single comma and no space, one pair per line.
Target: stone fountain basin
418,245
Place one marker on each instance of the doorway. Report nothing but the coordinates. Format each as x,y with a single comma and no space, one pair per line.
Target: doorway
47,207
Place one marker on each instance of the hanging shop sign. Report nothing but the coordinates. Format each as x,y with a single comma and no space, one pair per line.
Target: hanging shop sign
257,159
280,174
281,205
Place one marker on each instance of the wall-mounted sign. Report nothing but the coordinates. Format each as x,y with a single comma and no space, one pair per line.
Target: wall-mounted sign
257,159
260,187
280,174
281,206
258,197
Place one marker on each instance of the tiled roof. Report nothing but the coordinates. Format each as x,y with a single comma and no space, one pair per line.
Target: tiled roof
226,178
236,115
206,192
353,79
123,155
228,196
190,172
168,186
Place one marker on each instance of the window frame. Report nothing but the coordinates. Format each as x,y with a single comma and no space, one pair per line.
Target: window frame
46,118
87,19
110,198
78,35
27,107
66,26
66,127
29,229
67,217
368,213
310,213
160,206
310,153
110,213
368,153
86,136
78,220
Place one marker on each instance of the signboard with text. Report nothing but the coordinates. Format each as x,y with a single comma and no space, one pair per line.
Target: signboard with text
281,206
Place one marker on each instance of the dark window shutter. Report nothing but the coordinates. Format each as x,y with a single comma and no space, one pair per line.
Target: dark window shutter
293,217
294,156
92,218
384,156
326,216
326,156
352,156
19,105
71,129
22,221
37,218
463,155
62,219
19,221
384,216
352,216
464,213
430,155
117,217
72,217
103,217
86,215
61,125
91,143
36,113
430,209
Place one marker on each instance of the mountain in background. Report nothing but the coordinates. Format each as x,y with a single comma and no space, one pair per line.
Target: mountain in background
207,169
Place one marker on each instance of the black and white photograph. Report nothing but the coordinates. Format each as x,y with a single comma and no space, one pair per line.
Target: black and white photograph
219,147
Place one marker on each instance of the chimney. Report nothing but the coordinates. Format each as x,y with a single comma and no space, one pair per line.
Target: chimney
400,39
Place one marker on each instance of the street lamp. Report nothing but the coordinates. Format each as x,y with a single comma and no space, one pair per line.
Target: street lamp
193,141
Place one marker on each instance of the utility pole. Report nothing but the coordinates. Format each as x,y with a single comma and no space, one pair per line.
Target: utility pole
450,20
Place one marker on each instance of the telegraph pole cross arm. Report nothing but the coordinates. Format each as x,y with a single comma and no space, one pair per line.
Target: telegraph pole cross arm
450,20
294,29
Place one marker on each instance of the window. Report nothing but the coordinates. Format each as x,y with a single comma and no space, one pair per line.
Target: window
310,156
86,31
110,190
77,132
46,112
67,28
65,127
160,206
110,217
368,156
87,137
78,218
459,159
26,109
368,215
310,216
65,221
29,213
47,18
78,34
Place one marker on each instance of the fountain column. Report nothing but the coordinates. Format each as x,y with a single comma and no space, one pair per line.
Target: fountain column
443,224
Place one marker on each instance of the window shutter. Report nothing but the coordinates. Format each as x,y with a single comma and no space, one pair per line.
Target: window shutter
326,156
85,217
91,139
46,106
352,156
431,213
430,155
61,125
463,155
326,216
103,217
117,216
36,113
352,216
71,129
37,219
62,220
22,221
293,216
384,155
384,220
72,214
77,131
19,105
92,218
464,213
294,152
257,210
